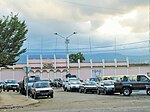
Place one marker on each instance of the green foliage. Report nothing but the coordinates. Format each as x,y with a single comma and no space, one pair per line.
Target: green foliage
73,58
12,36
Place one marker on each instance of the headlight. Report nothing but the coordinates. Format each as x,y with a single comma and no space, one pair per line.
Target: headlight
50,91
37,91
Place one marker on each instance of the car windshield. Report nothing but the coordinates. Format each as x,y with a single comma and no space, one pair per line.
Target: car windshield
90,83
11,81
42,85
109,83
93,79
75,82
33,79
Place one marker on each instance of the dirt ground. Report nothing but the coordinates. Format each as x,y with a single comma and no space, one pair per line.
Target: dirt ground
80,102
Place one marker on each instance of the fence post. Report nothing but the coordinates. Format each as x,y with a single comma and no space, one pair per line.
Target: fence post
103,65
91,66
79,68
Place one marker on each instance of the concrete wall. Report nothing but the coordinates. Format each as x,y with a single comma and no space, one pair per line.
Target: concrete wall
83,73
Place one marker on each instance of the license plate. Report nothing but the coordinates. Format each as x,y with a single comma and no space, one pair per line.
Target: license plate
44,93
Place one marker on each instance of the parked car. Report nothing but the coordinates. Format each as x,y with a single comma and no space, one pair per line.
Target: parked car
11,85
126,87
73,85
41,88
97,80
1,84
51,83
89,86
67,82
57,82
106,87
27,81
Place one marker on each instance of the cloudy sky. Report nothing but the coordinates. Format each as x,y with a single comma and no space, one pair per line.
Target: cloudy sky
102,25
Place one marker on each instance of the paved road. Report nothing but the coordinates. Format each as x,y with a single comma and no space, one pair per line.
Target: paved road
77,102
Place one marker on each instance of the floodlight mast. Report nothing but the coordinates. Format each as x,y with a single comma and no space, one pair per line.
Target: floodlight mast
67,40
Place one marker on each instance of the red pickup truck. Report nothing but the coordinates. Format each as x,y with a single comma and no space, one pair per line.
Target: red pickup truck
126,87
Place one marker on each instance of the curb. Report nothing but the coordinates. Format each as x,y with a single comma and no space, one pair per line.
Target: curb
19,106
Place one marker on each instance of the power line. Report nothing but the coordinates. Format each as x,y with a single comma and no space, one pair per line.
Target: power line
106,50
107,46
94,6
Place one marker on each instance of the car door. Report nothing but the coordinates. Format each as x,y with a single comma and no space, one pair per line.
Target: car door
141,83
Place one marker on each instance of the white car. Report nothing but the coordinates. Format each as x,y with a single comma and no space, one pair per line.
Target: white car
67,82
11,85
73,85
41,88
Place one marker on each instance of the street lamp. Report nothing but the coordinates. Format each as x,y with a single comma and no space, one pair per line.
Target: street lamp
67,40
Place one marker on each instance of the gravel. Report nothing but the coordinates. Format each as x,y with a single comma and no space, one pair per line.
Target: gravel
79,102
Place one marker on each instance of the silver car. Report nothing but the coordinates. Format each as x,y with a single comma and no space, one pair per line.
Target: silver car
89,86
106,87
73,85
41,88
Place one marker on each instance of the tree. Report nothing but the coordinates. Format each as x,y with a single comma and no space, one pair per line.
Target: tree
73,58
12,36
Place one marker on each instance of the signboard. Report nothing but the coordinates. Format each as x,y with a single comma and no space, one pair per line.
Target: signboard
96,73
27,69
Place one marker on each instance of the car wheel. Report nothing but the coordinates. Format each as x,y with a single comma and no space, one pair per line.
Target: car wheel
85,91
127,91
80,90
105,92
148,91
98,92
30,95
34,96
64,89
52,95
71,89
67,90
4,90
13,90
7,90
